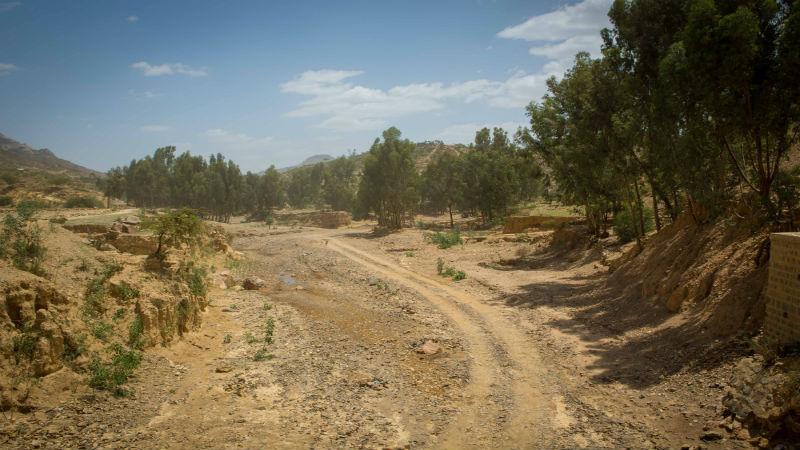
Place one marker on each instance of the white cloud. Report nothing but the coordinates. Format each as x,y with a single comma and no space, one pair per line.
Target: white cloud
6,69
142,94
150,70
465,133
153,128
8,6
566,31
350,108
132,19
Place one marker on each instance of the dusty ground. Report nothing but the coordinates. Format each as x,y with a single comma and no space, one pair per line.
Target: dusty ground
522,362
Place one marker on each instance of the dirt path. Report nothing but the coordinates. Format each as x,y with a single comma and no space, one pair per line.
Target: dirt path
342,366
514,362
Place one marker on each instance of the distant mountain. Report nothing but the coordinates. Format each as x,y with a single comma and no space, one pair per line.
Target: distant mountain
15,155
310,161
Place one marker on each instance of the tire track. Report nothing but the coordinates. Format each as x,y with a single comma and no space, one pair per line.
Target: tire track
538,410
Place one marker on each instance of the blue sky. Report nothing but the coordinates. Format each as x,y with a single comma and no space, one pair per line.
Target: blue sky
103,82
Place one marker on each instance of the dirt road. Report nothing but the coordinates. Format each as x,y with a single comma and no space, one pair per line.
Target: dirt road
332,355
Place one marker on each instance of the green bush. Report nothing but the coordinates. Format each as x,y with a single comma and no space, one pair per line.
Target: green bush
6,200
113,375
624,228
83,202
179,227
446,239
25,343
439,265
58,180
20,240
460,275
9,178
102,330
135,330
59,220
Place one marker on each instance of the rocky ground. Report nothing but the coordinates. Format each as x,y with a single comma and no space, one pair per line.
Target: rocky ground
354,341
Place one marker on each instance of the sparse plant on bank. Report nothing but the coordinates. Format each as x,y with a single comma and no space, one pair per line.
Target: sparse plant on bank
20,240
445,239
111,376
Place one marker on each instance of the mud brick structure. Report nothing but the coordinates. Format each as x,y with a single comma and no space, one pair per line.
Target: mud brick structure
782,321
518,224
333,219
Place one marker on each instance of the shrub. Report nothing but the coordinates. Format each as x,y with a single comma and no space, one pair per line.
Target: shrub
460,275
83,202
179,227
446,239
102,330
112,376
25,343
261,355
135,330
227,339
439,266
21,241
6,200
624,228
9,178
58,179
59,220
124,292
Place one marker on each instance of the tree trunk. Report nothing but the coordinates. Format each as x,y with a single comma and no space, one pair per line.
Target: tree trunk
655,207
450,209
639,206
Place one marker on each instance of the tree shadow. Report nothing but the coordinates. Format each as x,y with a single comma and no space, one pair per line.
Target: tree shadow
636,341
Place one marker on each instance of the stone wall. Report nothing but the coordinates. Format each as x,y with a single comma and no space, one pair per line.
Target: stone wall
782,321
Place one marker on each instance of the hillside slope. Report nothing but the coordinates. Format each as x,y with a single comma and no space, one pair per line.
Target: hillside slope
14,155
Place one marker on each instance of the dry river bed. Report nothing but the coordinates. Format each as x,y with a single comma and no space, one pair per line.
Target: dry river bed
369,348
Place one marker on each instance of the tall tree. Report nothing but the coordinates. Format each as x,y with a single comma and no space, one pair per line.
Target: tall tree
389,181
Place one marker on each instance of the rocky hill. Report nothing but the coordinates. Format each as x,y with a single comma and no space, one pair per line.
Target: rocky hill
15,155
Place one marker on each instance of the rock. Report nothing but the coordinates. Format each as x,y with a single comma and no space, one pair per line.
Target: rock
711,436
253,283
228,310
116,226
374,281
130,228
218,281
132,220
223,369
429,348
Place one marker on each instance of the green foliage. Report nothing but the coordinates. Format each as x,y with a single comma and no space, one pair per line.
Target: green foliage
59,220
227,339
446,239
248,336
269,328
6,200
449,271
179,227
625,228
262,355
83,202
58,179
102,330
20,240
135,330
74,347
183,309
124,292
25,343
111,376
442,184
9,177
389,180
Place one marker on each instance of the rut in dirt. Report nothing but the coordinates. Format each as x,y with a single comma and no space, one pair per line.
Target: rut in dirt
501,356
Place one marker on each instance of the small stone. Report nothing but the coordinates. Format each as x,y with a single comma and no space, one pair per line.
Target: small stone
711,436
132,220
224,369
429,348
374,281
253,283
